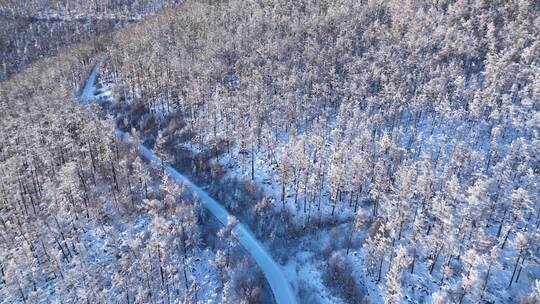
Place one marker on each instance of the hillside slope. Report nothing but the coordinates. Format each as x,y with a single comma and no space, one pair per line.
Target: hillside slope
384,151
366,132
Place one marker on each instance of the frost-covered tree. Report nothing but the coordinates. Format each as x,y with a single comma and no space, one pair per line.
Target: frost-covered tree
393,292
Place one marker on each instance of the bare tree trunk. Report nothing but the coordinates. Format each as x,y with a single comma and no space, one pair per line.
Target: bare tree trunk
413,259
520,269
515,267
252,162
380,268
487,276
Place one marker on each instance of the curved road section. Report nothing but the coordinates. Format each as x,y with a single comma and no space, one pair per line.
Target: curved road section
272,271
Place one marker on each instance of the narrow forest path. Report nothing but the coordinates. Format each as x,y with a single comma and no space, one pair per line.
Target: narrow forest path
272,271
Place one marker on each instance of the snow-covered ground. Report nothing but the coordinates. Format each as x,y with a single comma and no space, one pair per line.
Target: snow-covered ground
89,88
272,271
305,268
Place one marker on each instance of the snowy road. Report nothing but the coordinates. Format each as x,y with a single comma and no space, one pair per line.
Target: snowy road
272,271
87,93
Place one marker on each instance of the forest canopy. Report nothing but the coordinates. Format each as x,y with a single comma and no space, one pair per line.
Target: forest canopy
383,151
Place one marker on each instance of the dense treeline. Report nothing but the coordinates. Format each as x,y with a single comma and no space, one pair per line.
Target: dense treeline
84,220
65,8
30,30
416,121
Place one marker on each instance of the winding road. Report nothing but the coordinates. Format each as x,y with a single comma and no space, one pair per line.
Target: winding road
272,271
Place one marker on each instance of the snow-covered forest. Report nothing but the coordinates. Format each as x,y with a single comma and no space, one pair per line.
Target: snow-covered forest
375,151
33,29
